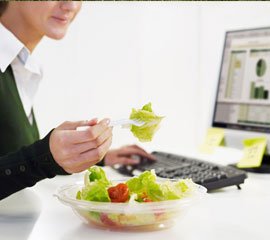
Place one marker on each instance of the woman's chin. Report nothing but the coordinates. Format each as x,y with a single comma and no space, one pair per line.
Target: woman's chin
56,35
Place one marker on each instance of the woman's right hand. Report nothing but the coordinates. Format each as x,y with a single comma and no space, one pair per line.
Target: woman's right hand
76,150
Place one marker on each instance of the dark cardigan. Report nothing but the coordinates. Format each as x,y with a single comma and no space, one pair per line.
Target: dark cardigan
24,159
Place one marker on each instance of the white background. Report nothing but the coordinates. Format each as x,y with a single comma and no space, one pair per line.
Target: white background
120,55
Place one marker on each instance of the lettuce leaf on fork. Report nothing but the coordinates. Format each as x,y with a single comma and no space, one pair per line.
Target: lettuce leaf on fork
145,132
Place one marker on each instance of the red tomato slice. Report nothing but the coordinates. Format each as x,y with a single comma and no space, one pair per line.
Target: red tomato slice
119,193
106,220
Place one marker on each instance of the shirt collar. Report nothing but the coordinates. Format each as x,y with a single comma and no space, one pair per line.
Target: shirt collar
11,47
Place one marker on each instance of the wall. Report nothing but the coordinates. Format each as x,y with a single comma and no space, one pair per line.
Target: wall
122,55
117,56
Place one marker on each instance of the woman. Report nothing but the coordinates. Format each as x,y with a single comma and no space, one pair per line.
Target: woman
24,159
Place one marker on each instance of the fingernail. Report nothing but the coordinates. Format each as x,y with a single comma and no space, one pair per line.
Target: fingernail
107,121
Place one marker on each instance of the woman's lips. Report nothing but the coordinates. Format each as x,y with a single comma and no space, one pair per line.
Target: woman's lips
61,20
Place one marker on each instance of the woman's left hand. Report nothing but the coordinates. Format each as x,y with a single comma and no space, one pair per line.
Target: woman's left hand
127,155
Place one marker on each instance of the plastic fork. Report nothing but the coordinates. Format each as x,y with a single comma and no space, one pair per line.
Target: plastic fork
124,123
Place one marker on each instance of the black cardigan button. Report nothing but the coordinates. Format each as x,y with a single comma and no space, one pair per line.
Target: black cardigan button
22,168
8,172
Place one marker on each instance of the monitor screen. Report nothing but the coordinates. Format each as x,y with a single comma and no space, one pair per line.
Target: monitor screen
243,95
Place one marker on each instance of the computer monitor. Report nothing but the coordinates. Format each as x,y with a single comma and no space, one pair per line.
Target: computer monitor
242,105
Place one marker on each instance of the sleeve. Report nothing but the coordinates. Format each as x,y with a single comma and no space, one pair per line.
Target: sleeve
101,163
24,168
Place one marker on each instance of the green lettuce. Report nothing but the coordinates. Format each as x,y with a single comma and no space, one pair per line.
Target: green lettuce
139,184
97,174
95,186
154,191
145,132
95,191
146,186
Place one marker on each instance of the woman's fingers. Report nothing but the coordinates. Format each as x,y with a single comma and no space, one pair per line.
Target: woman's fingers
99,128
131,150
96,154
137,147
75,150
83,147
90,157
90,134
68,125
93,122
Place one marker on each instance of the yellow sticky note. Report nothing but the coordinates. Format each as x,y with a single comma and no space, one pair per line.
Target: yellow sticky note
253,152
214,138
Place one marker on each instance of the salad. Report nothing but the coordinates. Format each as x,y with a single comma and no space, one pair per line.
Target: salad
145,132
143,188
143,203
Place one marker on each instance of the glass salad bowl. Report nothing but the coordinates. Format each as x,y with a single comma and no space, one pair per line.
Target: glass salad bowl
130,215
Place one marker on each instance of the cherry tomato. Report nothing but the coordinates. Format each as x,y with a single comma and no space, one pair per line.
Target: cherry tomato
119,193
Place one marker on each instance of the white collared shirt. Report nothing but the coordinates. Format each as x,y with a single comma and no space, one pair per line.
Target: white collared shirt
26,70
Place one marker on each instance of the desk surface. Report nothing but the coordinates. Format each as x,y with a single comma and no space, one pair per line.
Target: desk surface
225,214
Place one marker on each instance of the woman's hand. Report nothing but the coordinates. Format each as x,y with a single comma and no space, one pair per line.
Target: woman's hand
125,155
75,150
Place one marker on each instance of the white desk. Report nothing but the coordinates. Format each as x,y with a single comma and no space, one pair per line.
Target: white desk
226,214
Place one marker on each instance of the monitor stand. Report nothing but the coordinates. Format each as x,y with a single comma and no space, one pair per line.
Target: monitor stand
264,168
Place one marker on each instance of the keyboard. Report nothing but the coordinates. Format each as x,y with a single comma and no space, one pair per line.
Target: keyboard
210,175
